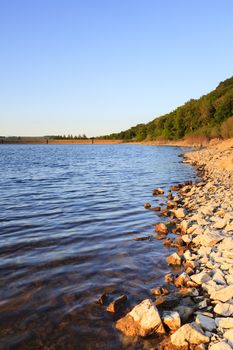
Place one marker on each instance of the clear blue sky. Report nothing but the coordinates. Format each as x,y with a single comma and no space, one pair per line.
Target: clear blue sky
101,66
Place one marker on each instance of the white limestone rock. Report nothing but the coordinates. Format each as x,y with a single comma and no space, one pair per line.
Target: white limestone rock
222,345
229,336
200,278
189,333
224,294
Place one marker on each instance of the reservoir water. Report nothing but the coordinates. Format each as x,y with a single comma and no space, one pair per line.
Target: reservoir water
68,218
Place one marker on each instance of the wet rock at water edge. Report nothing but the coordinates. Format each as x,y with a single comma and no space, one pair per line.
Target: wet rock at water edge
180,213
172,320
174,259
159,291
169,278
147,205
155,209
170,196
116,304
175,187
158,191
144,238
161,228
102,299
142,320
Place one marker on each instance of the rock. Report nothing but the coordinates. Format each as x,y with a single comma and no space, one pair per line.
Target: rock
170,196
220,346
179,213
172,320
161,228
175,187
206,323
155,208
226,244
158,191
203,304
200,278
178,242
171,205
181,280
224,309
169,278
186,238
173,259
147,205
185,312
218,277
142,320
145,238
167,242
159,291
220,223
229,227
223,294
204,251
208,239
116,304
188,334
229,336
226,322
103,299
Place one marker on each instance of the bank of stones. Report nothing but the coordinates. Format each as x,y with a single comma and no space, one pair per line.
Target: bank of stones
200,311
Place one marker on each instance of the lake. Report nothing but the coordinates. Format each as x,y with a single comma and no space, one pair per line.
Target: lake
68,218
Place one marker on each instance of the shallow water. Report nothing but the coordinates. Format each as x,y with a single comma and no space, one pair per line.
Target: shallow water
68,216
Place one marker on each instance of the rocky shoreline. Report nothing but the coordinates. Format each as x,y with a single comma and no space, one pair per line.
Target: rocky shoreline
194,308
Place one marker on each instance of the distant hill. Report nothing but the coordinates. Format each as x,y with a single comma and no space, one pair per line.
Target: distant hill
209,116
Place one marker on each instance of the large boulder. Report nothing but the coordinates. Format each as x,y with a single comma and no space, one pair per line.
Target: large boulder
142,320
189,333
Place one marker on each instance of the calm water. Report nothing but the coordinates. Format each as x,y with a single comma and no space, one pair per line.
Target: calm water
68,216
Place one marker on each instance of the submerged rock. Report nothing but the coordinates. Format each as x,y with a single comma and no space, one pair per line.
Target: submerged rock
116,304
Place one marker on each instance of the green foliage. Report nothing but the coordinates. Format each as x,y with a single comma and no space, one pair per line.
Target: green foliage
206,116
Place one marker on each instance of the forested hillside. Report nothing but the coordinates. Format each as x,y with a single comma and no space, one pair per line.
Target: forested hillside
210,116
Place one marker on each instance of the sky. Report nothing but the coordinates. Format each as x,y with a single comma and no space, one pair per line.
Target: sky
102,66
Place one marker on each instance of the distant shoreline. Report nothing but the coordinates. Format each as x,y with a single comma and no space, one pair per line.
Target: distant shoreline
43,140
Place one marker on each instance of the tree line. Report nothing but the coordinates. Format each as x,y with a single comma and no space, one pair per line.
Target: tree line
210,116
